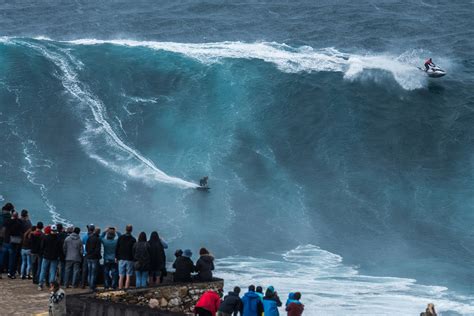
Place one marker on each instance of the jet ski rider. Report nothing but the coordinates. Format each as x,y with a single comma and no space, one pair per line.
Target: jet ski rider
203,182
429,63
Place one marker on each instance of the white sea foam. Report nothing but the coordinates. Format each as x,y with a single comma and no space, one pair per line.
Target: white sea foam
30,169
329,287
287,58
100,140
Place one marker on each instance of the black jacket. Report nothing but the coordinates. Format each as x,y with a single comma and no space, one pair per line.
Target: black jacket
93,246
14,227
184,267
62,237
141,255
204,267
50,247
124,250
36,240
157,256
231,304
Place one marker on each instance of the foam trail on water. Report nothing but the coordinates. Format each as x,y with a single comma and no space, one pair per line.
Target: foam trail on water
29,169
287,58
101,130
330,287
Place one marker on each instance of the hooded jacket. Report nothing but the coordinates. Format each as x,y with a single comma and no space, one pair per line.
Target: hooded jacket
50,247
124,250
93,247
271,301
204,267
231,304
252,304
210,301
110,246
141,255
73,248
295,309
184,267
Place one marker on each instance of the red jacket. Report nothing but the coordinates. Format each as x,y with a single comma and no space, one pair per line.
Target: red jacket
428,61
210,301
295,309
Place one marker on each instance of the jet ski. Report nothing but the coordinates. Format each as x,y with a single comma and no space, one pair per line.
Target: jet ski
434,72
205,189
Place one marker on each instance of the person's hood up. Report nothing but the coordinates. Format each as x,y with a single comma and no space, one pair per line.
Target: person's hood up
207,258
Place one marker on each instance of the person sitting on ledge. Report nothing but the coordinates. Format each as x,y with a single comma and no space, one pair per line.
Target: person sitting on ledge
204,266
184,267
208,303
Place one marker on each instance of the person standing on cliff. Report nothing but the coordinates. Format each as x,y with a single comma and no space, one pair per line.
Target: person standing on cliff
124,256
293,305
232,304
141,255
93,249
158,259
36,252
208,303
57,300
271,302
50,250
73,250
253,306
109,240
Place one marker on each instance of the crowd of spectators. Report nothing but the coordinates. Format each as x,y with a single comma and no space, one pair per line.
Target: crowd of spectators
57,256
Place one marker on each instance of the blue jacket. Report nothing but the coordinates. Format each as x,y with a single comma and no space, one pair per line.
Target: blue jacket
270,307
252,304
109,246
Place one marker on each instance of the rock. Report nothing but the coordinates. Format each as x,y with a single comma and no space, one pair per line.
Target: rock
163,302
154,303
183,291
175,301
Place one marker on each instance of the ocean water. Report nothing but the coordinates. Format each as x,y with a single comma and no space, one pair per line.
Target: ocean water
337,168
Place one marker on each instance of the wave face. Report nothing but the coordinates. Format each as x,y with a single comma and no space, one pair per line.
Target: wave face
354,151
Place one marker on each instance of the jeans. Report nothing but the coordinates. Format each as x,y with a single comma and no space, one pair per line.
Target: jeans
35,267
2,250
25,262
13,251
84,274
141,278
46,265
73,267
62,271
92,267
110,275
126,267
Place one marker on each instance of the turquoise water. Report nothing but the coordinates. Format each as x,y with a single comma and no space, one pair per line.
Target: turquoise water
319,135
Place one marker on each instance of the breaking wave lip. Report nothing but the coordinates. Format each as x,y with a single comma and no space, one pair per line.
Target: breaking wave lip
99,129
329,287
286,58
